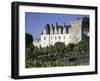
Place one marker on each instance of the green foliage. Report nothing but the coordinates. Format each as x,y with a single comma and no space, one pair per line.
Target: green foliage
56,55
82,47
29,53
59,45
29,39
85,28
29,46
85,23
70,47
30,64
60,48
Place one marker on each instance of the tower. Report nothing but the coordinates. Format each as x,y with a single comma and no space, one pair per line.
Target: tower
55,30
51,29
64,29
44,31
76,31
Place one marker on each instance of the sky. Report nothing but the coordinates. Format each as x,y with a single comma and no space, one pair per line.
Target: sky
35,22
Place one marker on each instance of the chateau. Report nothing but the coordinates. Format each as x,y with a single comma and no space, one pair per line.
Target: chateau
60,33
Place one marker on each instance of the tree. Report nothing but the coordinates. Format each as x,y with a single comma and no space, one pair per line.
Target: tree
81,48
29,46
70,47
29,39
85,28
85,23
60,45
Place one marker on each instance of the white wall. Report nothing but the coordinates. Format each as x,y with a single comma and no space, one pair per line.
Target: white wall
51,39
75,33
45,42
5,40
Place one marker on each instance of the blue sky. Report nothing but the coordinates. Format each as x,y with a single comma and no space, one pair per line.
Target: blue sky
35,22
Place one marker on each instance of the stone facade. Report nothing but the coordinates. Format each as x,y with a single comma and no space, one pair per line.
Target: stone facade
60,33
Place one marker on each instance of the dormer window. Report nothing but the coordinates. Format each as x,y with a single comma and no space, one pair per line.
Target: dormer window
44,38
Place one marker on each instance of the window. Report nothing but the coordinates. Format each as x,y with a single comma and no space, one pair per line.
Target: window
64,37
59,37
44,38
55,37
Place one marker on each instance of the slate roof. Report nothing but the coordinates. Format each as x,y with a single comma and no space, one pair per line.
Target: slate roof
47,28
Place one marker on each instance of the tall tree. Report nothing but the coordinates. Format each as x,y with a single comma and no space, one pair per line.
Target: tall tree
29,46
28,39
85,28
85,23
